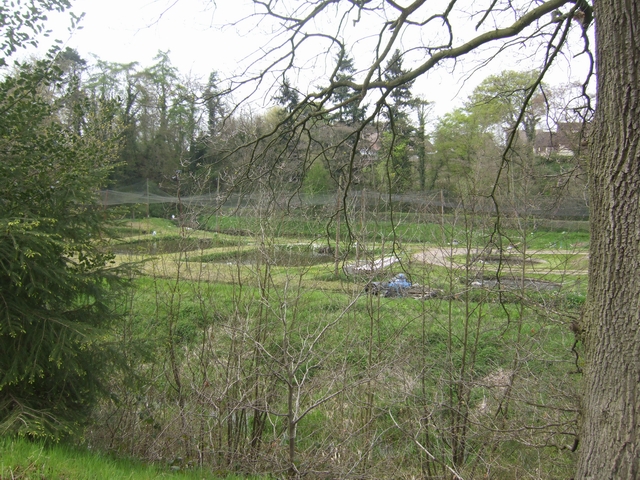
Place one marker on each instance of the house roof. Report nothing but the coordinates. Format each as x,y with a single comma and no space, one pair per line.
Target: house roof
568,136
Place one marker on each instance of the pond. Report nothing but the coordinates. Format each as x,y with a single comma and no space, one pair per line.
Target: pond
160,245
279,255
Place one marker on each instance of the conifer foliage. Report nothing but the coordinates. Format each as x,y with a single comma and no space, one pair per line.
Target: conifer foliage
55,274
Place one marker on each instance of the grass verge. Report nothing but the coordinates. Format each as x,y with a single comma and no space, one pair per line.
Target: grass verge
21,459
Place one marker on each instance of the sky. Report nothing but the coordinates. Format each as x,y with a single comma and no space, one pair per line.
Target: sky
125,31
196,32
200,39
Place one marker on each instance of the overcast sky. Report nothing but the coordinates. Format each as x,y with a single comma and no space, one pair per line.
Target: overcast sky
198,35
135,30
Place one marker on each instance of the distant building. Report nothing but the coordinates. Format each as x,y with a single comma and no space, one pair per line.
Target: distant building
370,144
567,141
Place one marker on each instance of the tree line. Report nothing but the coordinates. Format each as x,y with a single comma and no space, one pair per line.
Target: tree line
181,132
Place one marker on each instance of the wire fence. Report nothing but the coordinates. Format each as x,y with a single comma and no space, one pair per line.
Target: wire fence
541,206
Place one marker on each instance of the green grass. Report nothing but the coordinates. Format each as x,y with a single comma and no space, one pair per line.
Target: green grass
21,459
415,228
143,226
413,350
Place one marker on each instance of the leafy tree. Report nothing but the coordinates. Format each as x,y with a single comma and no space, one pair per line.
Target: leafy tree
215,104
510,105
208,147
287,96
467,139
395,170
56,278
157,146
317,180
121,83
22,23
348,112
401,96
421,107
183,118
160,112
70,94
459,142
499,99
397,147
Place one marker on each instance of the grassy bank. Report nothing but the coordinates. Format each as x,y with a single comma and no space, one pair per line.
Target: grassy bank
22,460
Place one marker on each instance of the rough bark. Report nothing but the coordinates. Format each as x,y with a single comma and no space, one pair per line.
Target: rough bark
610,432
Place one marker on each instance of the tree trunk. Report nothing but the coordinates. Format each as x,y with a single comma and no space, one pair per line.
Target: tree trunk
611,409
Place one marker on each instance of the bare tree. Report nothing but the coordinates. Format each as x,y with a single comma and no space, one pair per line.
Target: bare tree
430,39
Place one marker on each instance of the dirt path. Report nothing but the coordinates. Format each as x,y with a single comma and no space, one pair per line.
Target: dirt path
445,257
